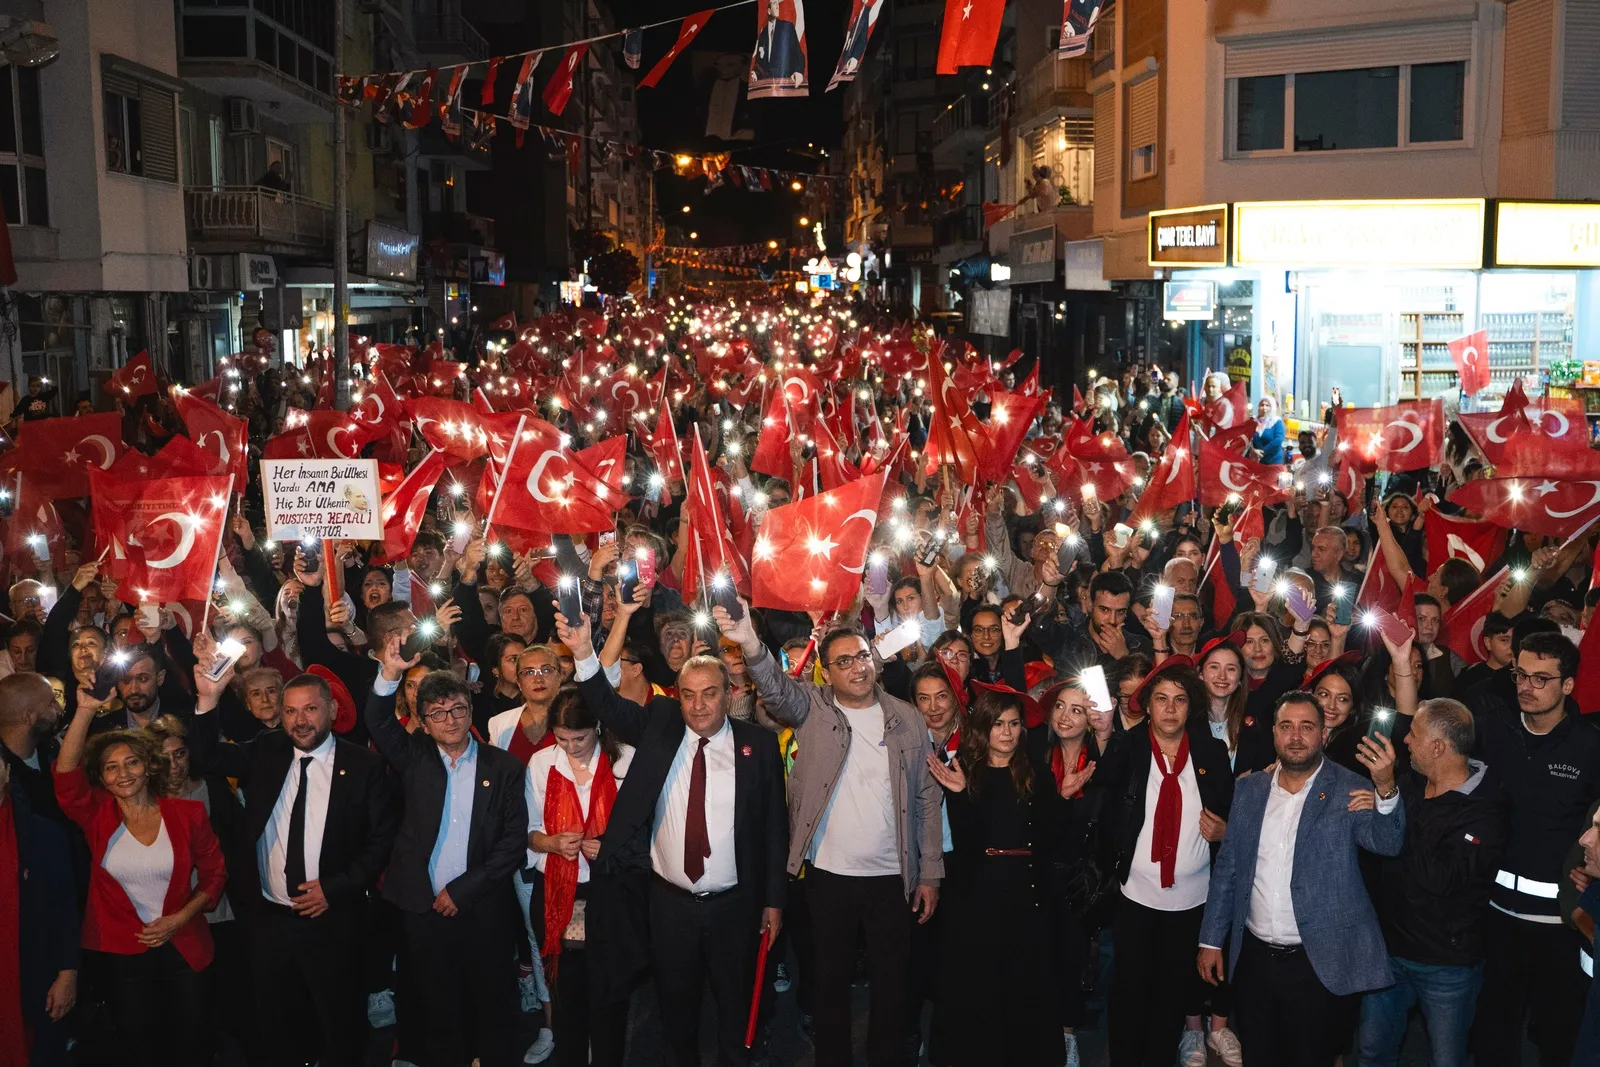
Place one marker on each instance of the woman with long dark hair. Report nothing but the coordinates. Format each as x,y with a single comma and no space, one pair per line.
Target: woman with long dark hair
1220,665
1274,663
1000,866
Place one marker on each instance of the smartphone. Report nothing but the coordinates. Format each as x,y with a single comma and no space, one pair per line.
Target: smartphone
1394,628
421,639
897,640
149,617
565,553
1161,606
1229,509
569,599
1344,609
1093,680
608,538
312,553
627,581
723,594
1120,534
1298,603
106,675
645,566
229,652
928,551
1382,722
460,534
877,573
1261,582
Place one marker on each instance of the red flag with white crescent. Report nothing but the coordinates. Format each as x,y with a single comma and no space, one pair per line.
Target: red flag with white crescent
135,378
545,489
404,508
811,554
687,30
162,535
559,89
711,552
1224,475
1401,437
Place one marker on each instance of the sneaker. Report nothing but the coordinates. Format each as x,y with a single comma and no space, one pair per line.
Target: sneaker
540,1050
1225,1043
1072,1050
528,992
380,1009
1192,1049
780,982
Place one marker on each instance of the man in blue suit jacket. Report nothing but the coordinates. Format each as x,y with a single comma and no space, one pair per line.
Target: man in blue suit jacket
1286,896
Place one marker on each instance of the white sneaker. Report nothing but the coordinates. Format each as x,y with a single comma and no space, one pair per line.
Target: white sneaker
1072,1049
380,1009
528,993
1192,1049
540,1050
1225,1043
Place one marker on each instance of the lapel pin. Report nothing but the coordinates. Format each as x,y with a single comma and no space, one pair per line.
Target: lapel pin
341,770
1199,770
1322,796
486,783
745,751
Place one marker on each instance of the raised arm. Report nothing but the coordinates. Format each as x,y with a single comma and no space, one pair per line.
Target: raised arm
622,717
787,700
210,753
386,731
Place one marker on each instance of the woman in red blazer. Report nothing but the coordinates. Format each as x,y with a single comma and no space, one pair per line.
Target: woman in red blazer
144,923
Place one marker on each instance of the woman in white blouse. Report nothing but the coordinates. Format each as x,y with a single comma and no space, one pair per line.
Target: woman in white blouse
571,788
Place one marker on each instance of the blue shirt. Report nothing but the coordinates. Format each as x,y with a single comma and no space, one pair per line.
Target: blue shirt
449,859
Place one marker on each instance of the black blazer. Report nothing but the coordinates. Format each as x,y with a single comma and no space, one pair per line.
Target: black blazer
498,838
360,826
50,928
1127,777
761,807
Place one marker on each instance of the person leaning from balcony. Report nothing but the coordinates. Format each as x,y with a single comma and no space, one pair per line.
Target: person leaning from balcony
274,178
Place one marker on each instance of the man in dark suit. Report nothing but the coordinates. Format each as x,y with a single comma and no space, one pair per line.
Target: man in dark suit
1288,907
703,809
464,833
318,824
778,56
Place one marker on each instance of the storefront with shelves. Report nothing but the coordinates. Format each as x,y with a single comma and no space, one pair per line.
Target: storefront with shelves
1358,300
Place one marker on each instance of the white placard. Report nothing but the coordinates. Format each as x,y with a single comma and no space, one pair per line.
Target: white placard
328,499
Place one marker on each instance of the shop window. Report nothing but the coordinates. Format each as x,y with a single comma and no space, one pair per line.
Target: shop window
1438,101
1259,124
1343,109
22,183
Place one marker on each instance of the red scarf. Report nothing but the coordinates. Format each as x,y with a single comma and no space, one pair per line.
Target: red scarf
15,1036
563,814
523,749
1058,766
1169,810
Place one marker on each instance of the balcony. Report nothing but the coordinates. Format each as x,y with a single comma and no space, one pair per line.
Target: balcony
444,36
910,235
1073,222
1053,83
458,228
253,219
959,234
959,132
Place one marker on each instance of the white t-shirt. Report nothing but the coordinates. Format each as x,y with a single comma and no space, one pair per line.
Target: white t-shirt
857,833
143,871
1192,873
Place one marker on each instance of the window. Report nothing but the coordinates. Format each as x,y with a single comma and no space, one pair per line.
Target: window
124,134
1143,123
915,57
1260,114
905,141
1438,102
22,184
1346,110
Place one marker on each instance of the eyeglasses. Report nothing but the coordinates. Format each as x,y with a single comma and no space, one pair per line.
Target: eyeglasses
1185,616
454,711
538,672
1537,681
860,659
986,631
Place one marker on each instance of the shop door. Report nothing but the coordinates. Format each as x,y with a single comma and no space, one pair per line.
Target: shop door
1357,371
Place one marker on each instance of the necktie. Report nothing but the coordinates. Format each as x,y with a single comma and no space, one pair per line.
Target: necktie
294,865
696,842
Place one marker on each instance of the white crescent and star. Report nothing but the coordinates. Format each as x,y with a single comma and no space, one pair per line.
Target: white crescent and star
186,527
537,472
1594,488
106,445
870,517
1408,425
1222,475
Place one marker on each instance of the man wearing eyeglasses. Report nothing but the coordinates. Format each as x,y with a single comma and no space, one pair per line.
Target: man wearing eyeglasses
464,832
1548,758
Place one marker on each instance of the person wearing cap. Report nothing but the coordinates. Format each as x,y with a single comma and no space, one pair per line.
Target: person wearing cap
1169,791
1287,915
1433,898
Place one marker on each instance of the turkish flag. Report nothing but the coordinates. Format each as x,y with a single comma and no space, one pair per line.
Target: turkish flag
544,488
57,454
379,405
1406,436
1451,537
137,377
163,535
178,458
220,435
664,446
772,447
1529,454
1173,481
690,26
403,509
1535,505
321,435
1380,592
833,469
559,89
1236,440
1230,409
811,553
607,462
708,542
971,29
1223,475
620,395
460,429
1491,430
1010,415
1462,628
1471,354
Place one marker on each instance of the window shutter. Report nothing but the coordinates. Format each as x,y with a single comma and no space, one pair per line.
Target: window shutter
1354,49
160,133
1105,137
1530,44
1143,112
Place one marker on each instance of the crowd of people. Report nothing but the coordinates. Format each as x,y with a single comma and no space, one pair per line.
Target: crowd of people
1066,761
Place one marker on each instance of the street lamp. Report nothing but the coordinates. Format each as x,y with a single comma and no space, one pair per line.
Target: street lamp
772,245
804,221
795,185
686,209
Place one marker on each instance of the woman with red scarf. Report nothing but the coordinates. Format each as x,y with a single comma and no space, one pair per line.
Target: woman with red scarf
572,786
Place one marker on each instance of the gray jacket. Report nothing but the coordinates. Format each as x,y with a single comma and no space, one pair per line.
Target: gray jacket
822,736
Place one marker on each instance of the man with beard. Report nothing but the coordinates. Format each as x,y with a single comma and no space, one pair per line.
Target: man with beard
29,718
1302,945
318,823
142,687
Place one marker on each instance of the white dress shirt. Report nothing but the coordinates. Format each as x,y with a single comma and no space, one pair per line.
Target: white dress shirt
1191,874
556,759
272,848
672,807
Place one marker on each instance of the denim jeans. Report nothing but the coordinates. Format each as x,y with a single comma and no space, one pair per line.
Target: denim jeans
1448,997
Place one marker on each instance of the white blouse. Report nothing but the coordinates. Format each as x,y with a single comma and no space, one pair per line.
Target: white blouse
539,777
143,871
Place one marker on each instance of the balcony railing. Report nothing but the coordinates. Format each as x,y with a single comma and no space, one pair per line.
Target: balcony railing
955,119
963,225
441,30
256,214
1053,82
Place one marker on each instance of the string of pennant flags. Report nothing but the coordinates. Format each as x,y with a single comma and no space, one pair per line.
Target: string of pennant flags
779,68
733,255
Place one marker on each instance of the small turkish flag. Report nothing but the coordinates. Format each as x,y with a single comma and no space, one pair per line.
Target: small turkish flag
559,89
1401,437
605,459
1534,505
1010,415
163,534
1173,480
1462,629
546,489
664,446
811,554
708,537
218,434
1224,475
1230,409
1471,354
137,377
1453,537
971,28
691,26
58,454
403,509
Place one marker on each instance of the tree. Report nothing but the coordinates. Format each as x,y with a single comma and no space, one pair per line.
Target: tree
614,272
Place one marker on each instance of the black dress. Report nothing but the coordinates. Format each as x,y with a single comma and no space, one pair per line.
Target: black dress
998,998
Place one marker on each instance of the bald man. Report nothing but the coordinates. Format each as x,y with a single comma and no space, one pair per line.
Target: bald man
29,716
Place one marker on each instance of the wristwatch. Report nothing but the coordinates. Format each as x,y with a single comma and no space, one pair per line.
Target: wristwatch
1393,792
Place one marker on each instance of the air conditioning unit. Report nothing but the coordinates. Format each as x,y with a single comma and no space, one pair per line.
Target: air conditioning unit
243,116
214,274
378,137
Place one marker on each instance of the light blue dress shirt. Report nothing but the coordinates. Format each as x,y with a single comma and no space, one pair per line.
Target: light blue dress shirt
449,859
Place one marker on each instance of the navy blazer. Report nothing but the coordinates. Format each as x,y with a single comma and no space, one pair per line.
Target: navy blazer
1338,925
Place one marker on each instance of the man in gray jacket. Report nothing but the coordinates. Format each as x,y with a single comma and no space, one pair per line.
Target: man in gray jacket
864,822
